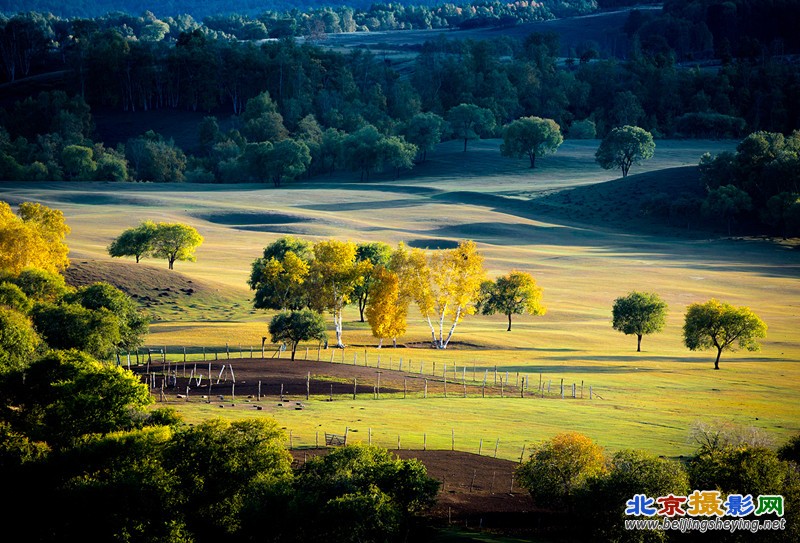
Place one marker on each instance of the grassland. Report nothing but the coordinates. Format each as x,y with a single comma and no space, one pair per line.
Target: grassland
579,250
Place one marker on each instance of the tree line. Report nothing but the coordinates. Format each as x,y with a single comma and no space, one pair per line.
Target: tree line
302,280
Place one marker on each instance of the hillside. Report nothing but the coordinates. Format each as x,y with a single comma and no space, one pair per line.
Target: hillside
165,294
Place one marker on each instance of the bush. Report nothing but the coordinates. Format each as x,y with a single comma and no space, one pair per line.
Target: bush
582,130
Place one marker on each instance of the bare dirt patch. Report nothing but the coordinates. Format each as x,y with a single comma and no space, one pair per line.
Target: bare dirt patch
325,378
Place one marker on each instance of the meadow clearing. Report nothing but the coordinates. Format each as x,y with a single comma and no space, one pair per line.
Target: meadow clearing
579,251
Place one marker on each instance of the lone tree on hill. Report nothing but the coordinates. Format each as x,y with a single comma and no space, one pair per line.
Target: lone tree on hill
720,325
531,136
469,122
297,326
136,242
623,147
175,241
639,313
516,293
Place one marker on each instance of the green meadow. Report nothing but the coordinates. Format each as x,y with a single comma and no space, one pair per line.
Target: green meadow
584,250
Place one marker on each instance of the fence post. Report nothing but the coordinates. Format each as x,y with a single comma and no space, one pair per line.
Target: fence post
496,444
425,393
308,385
404,388
369,436
590,392
562,388
259,391
573,390
452,439
227,351
480,446
424,442
355,386
581,389
522,454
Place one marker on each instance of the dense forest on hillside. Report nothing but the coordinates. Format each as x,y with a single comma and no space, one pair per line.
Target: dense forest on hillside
275,110
418,12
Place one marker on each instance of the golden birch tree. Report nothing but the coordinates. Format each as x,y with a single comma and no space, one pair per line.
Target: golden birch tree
387,309
444,284
333,277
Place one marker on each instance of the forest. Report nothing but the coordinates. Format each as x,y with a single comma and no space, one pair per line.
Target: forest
277,110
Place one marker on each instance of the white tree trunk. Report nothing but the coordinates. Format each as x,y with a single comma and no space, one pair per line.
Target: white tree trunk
452,328
337,322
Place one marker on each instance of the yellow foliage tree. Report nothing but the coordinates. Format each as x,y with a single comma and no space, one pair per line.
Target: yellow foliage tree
444,284
387,310
333,276
34,238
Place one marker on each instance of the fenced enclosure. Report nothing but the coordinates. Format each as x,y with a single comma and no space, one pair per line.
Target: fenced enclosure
200,373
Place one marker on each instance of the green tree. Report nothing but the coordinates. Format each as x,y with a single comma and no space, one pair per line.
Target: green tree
216,462
297,326
123,478
40,285
514,294
361,493
136,242
72,326
155,159
560,467
639,313
623,147
262,122
425,130
12,297
288,159
58,398
278,277
361,150
18,340
531,137
396,152
133,324
175,241
783,213
79,164
378,254
470,122
111,166
720,325
726,202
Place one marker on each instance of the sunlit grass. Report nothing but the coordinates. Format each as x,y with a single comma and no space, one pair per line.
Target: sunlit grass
649,399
